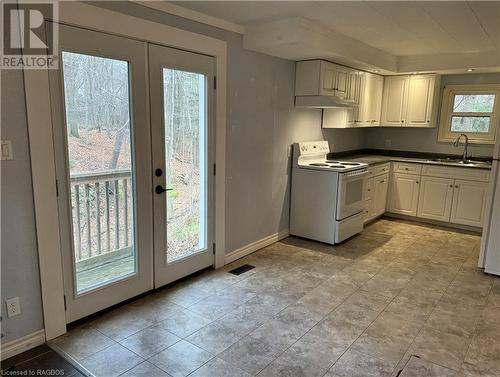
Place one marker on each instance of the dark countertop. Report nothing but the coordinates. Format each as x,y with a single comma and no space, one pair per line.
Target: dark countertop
378,156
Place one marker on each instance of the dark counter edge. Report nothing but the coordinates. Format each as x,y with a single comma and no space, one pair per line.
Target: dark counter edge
397,153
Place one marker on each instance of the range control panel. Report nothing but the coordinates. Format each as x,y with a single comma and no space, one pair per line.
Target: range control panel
314,147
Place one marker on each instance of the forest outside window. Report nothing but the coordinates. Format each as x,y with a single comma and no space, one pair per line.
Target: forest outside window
472,110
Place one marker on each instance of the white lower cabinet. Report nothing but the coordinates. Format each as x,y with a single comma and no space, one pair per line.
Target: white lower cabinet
404,194
437,194
380,188
469,199
376,190
435,198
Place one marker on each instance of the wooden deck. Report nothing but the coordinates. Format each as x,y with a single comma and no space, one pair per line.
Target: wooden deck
104,272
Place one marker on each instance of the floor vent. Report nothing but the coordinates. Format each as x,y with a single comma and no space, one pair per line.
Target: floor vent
242,269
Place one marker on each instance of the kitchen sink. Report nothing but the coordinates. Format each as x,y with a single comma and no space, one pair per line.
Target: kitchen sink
460,162
450,160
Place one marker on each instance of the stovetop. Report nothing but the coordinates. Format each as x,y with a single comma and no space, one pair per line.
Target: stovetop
331,165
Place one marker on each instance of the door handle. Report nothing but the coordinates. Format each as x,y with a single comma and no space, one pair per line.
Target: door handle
160,190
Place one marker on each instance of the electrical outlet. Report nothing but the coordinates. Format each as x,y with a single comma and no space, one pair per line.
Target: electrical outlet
6,149
388,142
13,307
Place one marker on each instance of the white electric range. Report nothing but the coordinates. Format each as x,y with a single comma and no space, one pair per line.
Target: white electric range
327,201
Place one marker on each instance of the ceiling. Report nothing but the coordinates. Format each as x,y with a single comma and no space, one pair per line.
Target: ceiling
407,29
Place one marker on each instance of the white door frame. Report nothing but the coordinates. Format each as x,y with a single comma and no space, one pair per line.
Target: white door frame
42,146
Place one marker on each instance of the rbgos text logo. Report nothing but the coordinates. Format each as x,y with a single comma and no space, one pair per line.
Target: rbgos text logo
28,41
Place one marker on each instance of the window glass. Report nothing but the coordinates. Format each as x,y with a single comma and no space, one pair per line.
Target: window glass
471,124
473,103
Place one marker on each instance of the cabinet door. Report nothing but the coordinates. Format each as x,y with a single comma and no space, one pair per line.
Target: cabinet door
381,185
404,194
420,97
469,200
435,198
327,78
394,100
375,102
341,81
368,210
353,87
369,188
363,110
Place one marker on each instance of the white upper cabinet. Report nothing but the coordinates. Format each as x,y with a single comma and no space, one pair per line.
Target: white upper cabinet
320,77
394,100
410,100
373,99
352,94
369,99
420,99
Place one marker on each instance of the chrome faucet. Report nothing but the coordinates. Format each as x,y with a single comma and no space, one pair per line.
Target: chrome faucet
466,146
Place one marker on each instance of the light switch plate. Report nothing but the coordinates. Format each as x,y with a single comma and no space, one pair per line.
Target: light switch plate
6,149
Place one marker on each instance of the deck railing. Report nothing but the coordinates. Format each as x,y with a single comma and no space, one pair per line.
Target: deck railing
102,213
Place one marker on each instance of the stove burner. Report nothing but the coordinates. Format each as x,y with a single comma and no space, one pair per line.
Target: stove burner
351,163
318,164
338,166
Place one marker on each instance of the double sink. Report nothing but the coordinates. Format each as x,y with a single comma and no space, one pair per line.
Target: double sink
460,162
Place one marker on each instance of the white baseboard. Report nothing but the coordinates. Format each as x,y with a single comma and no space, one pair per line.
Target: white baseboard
22,344
256,245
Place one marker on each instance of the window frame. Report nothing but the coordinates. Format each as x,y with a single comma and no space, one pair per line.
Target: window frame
445,134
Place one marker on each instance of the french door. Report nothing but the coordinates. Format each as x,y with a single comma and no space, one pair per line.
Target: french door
181,85
119,135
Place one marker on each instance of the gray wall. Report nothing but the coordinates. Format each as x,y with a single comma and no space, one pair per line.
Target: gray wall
20,275
426,139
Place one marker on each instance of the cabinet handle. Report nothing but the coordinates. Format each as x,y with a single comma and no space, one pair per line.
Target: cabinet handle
407,169
457,186
382,181
369,190
402,121
451,186
428,121
418,182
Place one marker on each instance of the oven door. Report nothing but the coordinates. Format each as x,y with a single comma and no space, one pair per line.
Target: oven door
350,199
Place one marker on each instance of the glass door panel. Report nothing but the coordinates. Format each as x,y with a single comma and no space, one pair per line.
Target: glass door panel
185,109
96,92
181,85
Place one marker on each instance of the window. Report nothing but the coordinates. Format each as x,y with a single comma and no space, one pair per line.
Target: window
472,110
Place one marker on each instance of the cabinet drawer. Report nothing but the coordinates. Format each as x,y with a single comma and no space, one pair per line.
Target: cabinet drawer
472,174
379,169
407,168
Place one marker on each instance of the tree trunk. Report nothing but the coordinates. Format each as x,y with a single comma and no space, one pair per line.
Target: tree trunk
118,146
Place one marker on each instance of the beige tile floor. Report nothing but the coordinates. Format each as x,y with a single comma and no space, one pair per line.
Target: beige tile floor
362,308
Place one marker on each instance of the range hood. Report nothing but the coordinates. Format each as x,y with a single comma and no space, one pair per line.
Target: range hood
322,102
